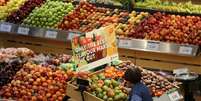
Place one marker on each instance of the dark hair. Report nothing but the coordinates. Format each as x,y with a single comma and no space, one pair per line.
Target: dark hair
133,75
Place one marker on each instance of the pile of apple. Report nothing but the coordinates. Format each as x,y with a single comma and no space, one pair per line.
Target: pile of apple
18,16
10,7
123,29
73,20
48,15
11,60
170,28
36,83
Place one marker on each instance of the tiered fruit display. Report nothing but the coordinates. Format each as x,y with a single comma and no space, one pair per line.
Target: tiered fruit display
11,60
187,7
170,28
18,16
85,20
107,89
73,20
36,83
49,14
10,7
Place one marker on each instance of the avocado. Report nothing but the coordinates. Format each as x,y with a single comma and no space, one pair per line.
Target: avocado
100,95
115,83
105,88
101,76
107,82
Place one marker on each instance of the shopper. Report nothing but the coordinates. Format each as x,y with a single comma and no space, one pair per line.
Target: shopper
139,91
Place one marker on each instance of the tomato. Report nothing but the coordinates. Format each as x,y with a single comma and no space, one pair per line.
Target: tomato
75,40
98,37
83,41
89,40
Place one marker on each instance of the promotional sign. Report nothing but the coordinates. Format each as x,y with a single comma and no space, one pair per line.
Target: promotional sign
95,48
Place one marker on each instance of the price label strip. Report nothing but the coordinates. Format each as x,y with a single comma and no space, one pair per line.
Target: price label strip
174,96
51,34
185,50
125,43
5,28
70,35
23,30
153,46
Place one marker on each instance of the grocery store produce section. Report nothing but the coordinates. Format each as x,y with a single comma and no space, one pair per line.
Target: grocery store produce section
154,34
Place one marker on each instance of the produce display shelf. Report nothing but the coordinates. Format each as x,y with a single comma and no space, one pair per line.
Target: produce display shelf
135,44
158,46
139,9
53,34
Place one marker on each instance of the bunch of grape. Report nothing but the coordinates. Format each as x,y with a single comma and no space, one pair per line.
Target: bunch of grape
19,15
48,15
10,7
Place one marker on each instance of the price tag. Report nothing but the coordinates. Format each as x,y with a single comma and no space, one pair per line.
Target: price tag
23,30
180,71
125,43
51,34
70,35
153,46
5,27
174,96
185,50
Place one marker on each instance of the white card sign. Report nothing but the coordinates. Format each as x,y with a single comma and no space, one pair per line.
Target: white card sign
5,27
125,43
51,34
70,35
180,71
153,46
185,50
174,96
23,30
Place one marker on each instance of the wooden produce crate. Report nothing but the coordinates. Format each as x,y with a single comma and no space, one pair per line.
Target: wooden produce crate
76,95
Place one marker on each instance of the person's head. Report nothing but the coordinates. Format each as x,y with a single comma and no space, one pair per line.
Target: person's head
133,75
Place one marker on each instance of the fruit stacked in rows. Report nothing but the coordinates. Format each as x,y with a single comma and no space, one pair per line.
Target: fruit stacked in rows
107,89
49,14
73,20
12,60
187,7
10,7
171,28
36,83
158,85
18,16
133,19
